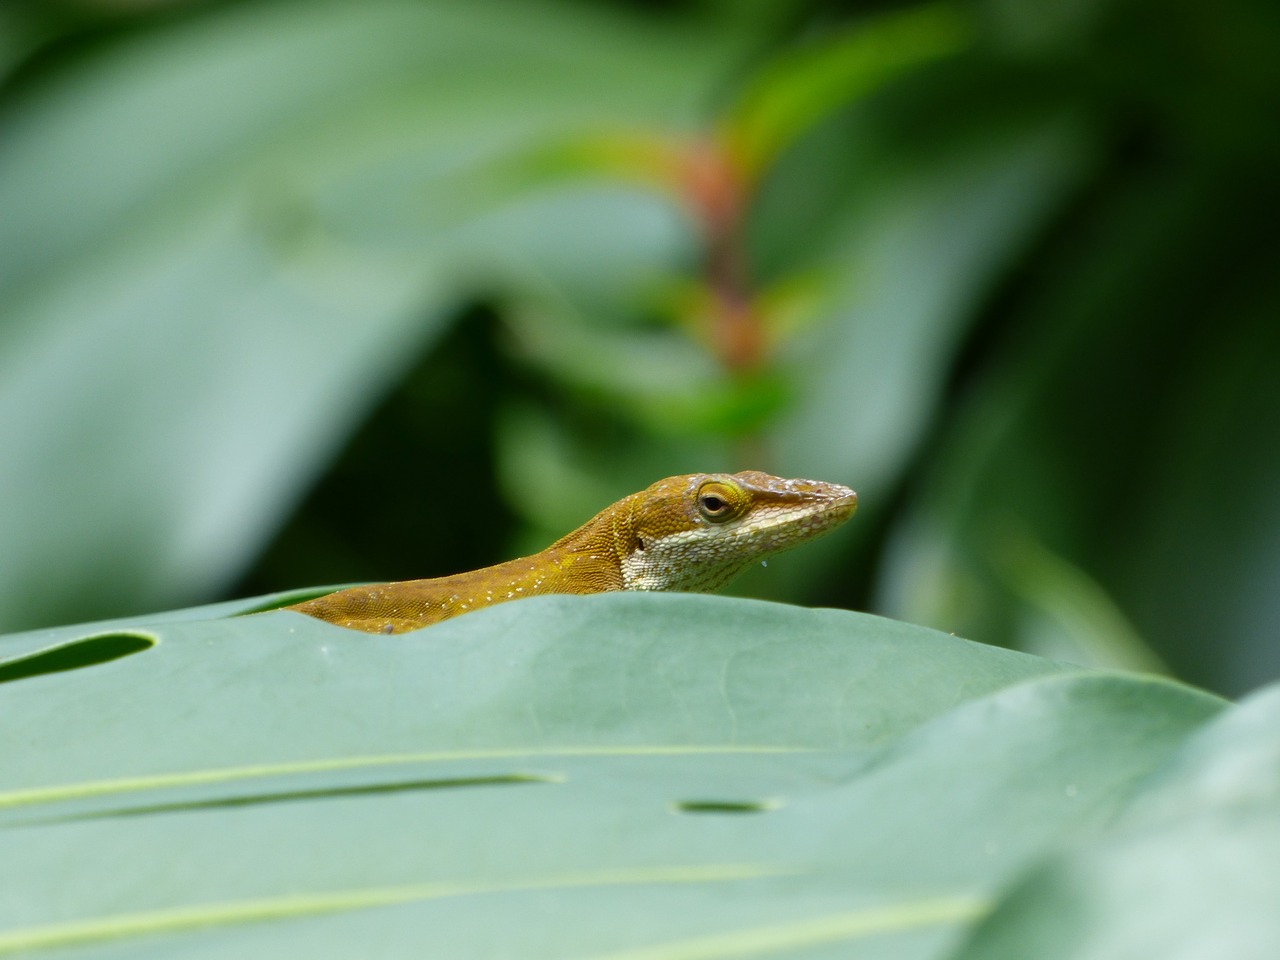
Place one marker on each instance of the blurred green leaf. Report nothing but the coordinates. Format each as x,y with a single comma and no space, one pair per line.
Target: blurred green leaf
217,257
799,88
1129,436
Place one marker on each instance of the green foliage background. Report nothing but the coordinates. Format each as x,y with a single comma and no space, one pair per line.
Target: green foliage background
295,293
301,292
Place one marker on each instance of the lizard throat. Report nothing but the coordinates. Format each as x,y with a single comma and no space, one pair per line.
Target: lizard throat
705,558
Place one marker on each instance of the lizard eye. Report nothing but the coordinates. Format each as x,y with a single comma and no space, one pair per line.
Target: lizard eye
718,502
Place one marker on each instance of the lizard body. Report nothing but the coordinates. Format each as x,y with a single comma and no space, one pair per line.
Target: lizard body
692,532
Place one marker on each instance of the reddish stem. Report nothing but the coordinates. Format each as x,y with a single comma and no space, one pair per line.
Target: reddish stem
718,196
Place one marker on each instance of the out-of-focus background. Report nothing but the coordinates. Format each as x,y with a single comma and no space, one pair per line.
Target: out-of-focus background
296,293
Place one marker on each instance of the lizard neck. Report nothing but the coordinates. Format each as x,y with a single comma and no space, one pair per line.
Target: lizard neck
584,561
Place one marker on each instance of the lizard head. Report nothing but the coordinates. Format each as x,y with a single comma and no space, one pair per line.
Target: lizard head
698,532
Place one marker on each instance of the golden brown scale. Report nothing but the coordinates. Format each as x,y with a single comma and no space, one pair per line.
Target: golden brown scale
692,532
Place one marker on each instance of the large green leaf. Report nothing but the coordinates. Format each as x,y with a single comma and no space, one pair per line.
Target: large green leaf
625,775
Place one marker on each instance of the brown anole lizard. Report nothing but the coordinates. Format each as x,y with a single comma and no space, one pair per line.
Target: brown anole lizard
694,532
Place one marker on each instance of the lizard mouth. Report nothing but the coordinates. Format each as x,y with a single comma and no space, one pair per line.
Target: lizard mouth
780,527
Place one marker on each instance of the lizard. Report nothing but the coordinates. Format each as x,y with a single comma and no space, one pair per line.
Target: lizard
691,533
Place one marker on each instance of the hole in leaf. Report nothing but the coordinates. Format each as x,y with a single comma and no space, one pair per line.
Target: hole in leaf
319,793
88,652
726,806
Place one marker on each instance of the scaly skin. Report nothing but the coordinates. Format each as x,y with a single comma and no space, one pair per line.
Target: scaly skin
695,532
